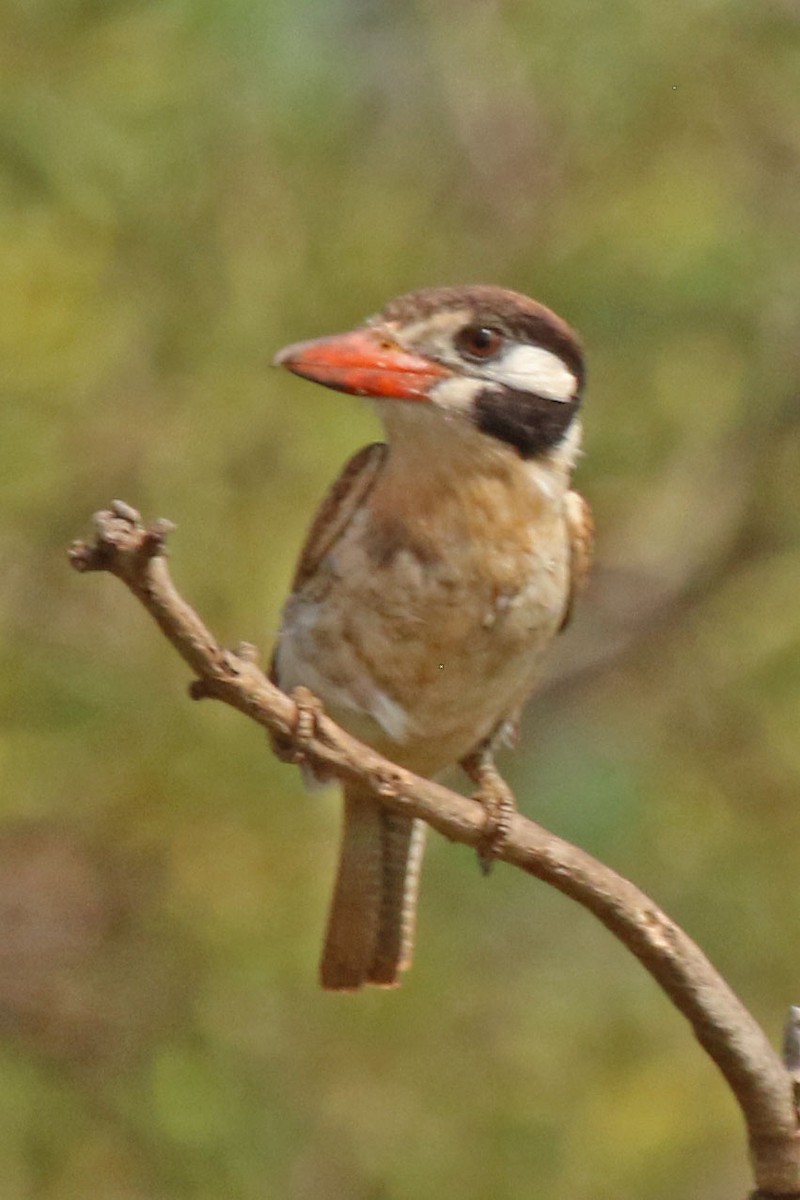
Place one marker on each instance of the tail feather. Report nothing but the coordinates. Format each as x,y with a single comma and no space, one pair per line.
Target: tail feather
403,848
370,930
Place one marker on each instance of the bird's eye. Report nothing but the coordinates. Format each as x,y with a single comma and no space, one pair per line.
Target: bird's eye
479,341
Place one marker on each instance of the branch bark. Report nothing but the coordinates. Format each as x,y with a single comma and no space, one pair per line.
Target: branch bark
762,1085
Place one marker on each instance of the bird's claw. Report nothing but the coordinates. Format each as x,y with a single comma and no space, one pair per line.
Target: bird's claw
498,804
293,746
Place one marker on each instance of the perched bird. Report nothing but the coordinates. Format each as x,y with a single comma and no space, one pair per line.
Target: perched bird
437,571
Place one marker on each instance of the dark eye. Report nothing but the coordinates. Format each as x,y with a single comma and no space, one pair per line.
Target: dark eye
479,341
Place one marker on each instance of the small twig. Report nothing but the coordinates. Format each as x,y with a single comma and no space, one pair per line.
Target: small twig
763,1086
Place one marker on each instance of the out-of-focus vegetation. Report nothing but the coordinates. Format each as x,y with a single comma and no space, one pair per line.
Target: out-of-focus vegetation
188,184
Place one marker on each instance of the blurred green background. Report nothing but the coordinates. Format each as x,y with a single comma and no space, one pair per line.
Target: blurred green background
187,185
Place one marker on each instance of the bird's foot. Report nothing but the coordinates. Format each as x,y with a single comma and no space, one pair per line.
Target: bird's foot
498,802
292,747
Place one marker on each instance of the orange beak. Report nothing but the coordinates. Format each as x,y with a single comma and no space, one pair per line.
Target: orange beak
363,363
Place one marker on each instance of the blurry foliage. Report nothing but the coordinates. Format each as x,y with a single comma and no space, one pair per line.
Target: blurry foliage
187,185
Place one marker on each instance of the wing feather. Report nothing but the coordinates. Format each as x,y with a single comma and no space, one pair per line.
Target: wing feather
580,527
344,498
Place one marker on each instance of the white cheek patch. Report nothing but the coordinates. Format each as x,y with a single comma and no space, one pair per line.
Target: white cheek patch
536,370
457,392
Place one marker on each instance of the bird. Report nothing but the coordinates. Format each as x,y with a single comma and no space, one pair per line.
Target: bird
436,573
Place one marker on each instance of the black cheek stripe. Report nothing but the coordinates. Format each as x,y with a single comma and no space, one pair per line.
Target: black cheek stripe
531,424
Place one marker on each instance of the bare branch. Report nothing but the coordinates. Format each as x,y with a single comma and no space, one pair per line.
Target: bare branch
761,1083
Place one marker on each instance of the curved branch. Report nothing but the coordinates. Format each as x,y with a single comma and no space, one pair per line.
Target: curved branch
762,1085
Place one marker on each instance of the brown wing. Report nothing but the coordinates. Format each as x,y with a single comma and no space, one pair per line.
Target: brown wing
343,500
581,537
